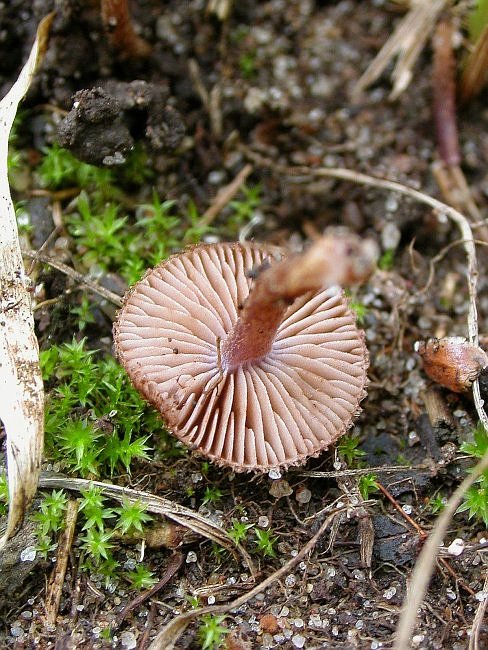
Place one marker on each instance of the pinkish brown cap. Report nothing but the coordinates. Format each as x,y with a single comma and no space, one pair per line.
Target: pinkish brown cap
266,414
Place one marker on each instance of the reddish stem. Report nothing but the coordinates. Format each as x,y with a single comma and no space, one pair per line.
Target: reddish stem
118,24
444,87
341,259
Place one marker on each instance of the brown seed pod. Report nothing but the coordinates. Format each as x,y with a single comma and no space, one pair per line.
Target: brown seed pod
452,362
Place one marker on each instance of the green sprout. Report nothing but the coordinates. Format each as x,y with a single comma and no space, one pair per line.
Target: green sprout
367,484
212,495
132,516
348,449
3,493
141,578
265,542
211,632
238,531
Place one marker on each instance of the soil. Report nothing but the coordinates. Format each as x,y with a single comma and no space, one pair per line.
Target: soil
277,77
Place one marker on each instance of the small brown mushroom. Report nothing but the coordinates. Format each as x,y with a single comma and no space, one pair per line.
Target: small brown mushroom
452,361
256,374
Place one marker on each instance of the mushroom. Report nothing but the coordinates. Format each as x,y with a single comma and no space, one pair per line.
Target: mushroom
253,361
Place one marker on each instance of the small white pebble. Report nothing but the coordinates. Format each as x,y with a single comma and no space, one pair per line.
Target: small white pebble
451,594
27,614
407,509
128,640
335,630
28,554
481,595
417,640
298,641
291,580
274,474
456,547
263,521
284,612
298,622
211,600
359,624
196,477
191,557
389,593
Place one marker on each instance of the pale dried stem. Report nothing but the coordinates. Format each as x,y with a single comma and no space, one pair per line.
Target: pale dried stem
224,196
407,41
476,70
78,278
22,403
55,587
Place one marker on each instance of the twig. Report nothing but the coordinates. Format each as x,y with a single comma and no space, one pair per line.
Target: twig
79,278
174,565
425,563
55,587
151,617
359,472
168,636
224,195
397,506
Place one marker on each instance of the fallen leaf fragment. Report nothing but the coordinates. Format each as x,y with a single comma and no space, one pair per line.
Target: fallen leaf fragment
22,404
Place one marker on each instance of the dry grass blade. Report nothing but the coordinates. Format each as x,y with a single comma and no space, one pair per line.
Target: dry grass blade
426,561
170,634
56,583
22,408
177,513
476,70
407,41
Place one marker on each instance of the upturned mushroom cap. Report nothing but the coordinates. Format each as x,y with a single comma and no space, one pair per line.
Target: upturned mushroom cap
270,413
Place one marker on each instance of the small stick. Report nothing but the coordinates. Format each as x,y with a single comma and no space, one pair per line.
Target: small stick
75,276
174,565
118,25
55,587
151,617
224,195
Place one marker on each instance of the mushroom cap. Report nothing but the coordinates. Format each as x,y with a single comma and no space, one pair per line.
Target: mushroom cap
266,414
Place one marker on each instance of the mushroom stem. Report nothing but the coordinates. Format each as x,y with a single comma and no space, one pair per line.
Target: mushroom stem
336,259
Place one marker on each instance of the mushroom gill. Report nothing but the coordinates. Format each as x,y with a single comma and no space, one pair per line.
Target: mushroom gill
180,337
